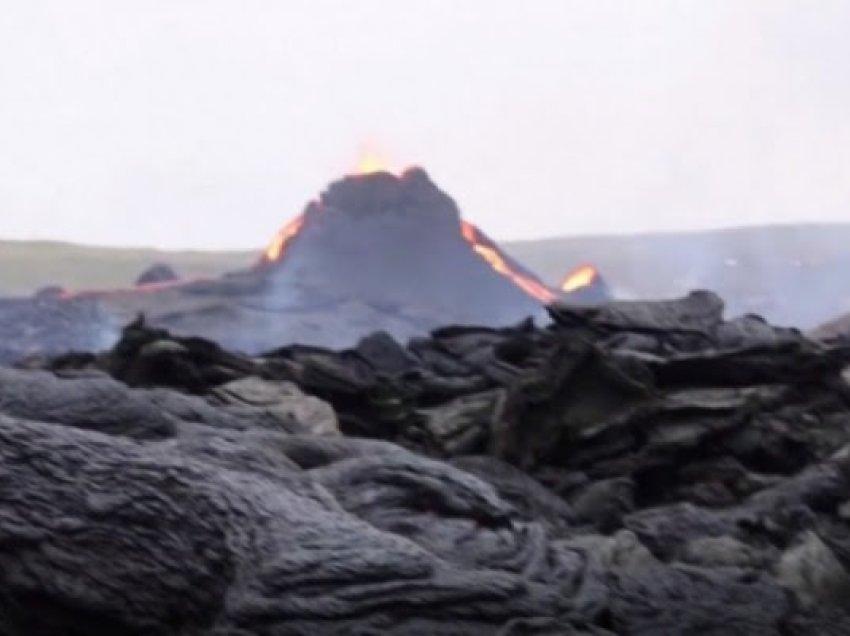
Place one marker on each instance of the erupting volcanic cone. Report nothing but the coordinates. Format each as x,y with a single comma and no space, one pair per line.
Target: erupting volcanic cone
375,252
399,242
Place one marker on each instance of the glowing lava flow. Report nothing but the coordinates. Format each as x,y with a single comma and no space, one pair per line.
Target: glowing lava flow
277,248
370,164
493,258
580,277
145,288
371,161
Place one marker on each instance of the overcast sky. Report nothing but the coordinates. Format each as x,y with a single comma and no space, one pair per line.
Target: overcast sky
209,123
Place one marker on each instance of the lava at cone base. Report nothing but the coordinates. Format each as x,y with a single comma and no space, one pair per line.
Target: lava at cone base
585,286
582,276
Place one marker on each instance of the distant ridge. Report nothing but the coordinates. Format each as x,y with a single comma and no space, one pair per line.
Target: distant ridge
796,274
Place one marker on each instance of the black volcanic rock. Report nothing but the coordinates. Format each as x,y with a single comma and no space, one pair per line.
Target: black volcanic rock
49,291
157,273
635,469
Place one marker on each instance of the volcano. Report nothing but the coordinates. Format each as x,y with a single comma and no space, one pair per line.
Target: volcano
398,242
376,251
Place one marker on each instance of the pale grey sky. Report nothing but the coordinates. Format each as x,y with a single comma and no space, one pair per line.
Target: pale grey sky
209,123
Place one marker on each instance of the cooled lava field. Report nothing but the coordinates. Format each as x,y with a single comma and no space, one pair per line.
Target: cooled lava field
387,425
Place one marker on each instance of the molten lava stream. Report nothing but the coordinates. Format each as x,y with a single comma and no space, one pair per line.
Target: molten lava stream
145,288
372,160
277,248
491,255
582,276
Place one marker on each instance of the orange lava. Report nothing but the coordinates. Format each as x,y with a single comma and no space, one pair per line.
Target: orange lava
582,276
145,289
371,161
277,248
491,255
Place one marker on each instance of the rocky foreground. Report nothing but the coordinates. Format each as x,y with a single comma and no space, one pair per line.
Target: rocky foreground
644,468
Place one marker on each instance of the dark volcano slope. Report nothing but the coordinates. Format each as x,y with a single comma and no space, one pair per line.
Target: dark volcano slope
397,242
633,469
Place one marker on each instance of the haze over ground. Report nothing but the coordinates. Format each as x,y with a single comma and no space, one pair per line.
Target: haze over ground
208,123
